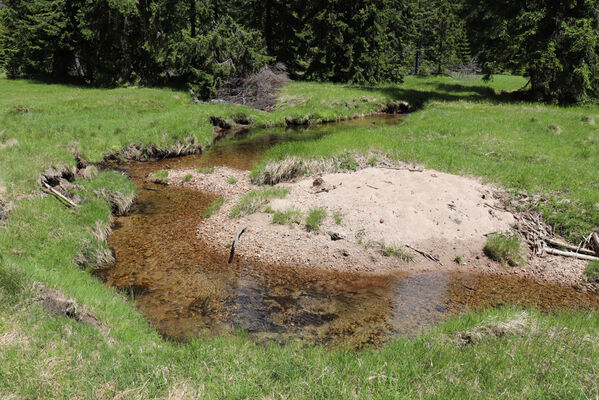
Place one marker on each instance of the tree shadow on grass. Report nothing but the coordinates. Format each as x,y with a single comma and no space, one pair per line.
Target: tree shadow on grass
436,91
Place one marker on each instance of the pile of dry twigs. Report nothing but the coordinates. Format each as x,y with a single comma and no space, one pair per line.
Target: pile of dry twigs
542,240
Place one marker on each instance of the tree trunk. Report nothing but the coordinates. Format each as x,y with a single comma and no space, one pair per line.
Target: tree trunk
268,27
192,17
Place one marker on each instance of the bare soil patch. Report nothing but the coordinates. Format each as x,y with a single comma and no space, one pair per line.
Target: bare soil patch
57,304
437,219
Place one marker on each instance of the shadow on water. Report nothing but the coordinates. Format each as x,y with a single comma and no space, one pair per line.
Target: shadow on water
187,291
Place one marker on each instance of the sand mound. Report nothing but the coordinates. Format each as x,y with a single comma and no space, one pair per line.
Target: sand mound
429,212
373,216
399,207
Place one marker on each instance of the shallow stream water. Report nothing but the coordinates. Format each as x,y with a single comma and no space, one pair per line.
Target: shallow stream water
186,291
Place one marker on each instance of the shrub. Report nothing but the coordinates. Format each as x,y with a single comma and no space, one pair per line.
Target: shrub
187,178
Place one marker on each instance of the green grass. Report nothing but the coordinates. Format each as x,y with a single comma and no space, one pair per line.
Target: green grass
338,217
254,200
46,357
207,170
232,181
213,208
315,218
187,178
591,271
392,251
160,177
506,249
288,217
512,144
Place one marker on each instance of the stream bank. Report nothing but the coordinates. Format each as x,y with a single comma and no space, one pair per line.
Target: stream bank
186,289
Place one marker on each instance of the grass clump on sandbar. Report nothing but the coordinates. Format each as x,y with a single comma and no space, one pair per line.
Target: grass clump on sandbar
213,208
160,177
392,251
315,218
288,217
254,200
506,249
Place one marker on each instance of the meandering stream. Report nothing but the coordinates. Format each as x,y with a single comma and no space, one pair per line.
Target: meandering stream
186,291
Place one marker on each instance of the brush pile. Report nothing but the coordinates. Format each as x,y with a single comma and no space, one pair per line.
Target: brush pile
258,91
541,239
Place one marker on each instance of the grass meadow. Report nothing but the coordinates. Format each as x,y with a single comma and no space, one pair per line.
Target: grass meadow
464,127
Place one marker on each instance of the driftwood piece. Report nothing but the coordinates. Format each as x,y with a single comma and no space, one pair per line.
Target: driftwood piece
237,237
570,254
595,241
575,249
58,195
426,255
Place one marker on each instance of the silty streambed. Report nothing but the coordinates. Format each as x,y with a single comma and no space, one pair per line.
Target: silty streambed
186,291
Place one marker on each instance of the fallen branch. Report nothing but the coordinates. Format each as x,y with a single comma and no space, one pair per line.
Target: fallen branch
570,254
494,207
424,254
576,249
595,241
403,169
58,195
235,244
372,187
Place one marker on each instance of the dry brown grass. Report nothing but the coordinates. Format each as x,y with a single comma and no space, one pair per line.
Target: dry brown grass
291,168
521,325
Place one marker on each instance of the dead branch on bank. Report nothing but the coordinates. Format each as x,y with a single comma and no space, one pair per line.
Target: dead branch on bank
541,239
237,237
68,202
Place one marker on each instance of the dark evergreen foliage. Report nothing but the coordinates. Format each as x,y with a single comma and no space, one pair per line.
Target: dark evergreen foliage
554,43
205,44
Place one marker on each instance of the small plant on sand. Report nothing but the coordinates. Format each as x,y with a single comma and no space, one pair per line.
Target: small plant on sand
253,201
315,218
289,217
232,181
160,177
459,259
205,170
591,273
213,208
373,161
391,251
187,178
347,162
337,217
506,249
